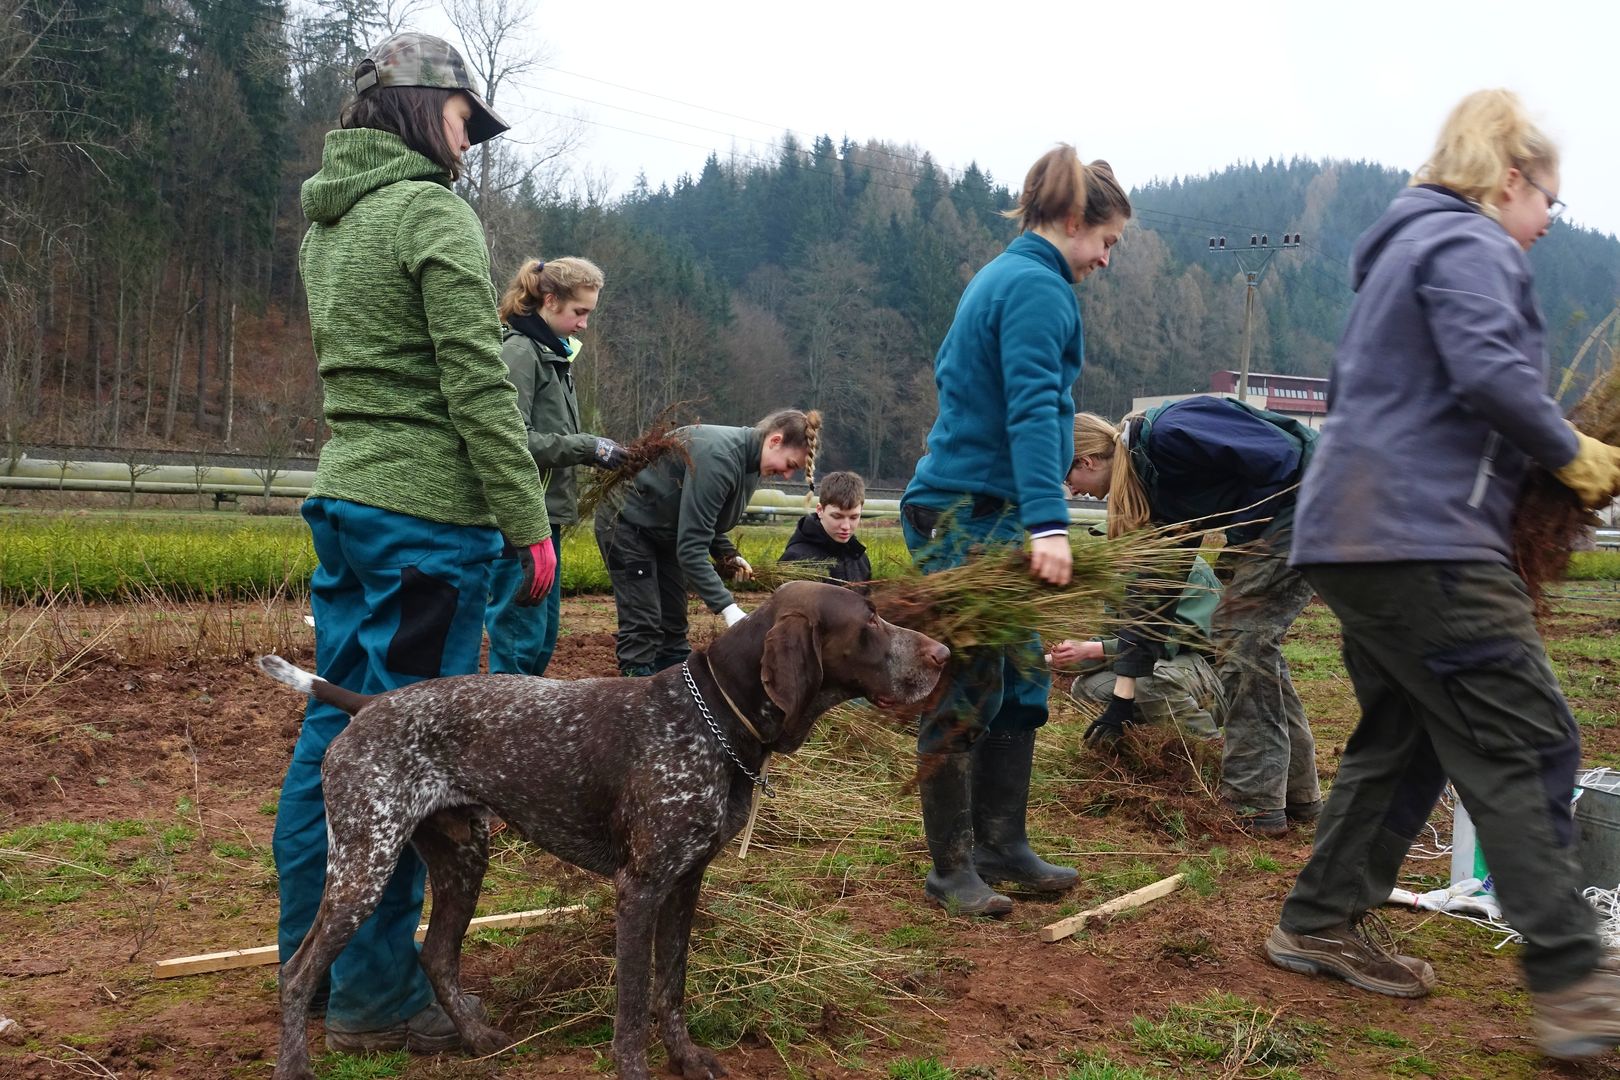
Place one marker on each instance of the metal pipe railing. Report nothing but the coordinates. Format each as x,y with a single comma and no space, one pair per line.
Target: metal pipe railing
111,476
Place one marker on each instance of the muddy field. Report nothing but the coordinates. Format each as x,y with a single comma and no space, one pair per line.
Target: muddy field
137,798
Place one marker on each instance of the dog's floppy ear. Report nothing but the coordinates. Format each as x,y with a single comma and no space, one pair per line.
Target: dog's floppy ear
790,667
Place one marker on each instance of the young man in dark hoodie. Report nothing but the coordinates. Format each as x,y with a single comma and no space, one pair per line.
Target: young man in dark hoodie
828,535
1439,408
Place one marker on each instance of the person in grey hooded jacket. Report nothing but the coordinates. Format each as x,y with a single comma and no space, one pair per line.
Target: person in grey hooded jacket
1437,408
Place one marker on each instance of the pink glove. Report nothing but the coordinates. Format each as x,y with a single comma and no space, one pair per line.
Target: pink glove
539,562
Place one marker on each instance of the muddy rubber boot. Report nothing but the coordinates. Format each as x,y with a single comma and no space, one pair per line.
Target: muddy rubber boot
945,783
1002,762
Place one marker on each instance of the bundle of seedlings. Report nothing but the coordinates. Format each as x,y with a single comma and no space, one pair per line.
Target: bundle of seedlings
656,443
993,601
1549,522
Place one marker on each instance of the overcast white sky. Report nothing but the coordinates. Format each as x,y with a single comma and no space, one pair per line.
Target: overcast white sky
1158,88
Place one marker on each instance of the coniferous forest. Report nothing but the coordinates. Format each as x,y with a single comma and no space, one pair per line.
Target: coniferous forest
151,153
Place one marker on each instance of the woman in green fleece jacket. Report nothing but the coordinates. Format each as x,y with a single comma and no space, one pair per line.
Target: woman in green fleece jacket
544,305
660,536
426,477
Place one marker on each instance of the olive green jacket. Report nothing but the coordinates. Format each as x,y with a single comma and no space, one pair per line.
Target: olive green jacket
690,507
550,409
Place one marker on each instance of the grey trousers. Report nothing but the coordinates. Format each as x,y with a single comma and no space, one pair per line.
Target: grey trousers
1269,760
1182,690
1453,681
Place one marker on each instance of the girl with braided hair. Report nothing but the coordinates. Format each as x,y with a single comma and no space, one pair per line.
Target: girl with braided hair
667,531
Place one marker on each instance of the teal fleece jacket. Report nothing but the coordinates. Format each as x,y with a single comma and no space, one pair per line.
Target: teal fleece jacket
402,312
1005,375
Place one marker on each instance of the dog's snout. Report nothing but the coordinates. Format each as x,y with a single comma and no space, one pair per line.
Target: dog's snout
936,654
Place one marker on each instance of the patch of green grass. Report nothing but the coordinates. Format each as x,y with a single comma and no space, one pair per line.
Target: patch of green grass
1385,1037
1230,1030
134,556
1096,1065
270,807
1264,863
912,936
1416,1065
920,1069
362,1066
597,1034
226,850
1200,875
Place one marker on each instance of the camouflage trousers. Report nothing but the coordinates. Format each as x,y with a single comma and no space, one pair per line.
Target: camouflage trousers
1182,690
1269,760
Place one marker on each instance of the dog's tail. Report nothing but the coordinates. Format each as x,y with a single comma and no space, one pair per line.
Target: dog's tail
323,691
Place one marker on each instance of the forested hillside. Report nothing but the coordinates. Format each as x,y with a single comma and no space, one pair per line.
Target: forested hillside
150,159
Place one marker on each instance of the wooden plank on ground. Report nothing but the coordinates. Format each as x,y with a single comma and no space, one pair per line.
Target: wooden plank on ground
267,954
1065,927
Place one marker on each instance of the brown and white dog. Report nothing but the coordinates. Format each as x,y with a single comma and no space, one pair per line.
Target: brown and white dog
623,777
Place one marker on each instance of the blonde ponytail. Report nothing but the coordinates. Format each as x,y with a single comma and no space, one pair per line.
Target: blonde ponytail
536,279
1094,437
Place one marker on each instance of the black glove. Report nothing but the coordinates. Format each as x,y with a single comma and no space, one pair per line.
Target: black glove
1107,728
609,454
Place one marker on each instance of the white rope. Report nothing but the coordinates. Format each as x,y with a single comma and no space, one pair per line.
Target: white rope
1460,901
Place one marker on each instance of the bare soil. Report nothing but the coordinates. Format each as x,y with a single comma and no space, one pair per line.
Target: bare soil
203,745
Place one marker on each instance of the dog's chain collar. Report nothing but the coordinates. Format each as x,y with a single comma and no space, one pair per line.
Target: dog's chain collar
760,780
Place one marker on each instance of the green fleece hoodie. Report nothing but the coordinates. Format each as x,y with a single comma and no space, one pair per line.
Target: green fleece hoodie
423,419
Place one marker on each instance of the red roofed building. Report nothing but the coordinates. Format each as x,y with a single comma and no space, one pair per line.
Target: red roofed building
1299,396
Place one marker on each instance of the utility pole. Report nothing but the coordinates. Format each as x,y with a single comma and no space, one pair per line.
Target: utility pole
1253,261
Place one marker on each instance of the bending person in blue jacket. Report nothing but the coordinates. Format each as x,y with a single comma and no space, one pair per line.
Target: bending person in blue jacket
993,475
1216,463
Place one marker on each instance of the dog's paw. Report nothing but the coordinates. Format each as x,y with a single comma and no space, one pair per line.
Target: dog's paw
487,1040
696,1063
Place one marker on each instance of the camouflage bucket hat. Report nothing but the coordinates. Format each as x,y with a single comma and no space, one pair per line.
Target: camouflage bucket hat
411,59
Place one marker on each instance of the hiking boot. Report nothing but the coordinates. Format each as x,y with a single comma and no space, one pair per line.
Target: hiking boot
1361,953
1268,823
430,1031
944,782
1002,762
1303,813
1581,1020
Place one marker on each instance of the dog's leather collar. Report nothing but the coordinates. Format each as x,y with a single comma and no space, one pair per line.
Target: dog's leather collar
741,719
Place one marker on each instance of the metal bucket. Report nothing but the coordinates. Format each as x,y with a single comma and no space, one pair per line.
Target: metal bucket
1597,817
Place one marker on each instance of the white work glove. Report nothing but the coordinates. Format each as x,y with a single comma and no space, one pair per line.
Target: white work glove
745,572
733,614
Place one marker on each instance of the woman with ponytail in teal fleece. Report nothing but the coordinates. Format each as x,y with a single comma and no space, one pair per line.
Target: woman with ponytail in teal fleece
993,475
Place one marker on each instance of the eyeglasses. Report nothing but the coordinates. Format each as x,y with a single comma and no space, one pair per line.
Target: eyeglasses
1555,206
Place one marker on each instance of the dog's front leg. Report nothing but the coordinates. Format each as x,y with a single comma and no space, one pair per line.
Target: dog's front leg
637,906
674,935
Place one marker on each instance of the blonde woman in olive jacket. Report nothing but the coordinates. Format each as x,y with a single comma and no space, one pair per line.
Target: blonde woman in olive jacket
544,306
